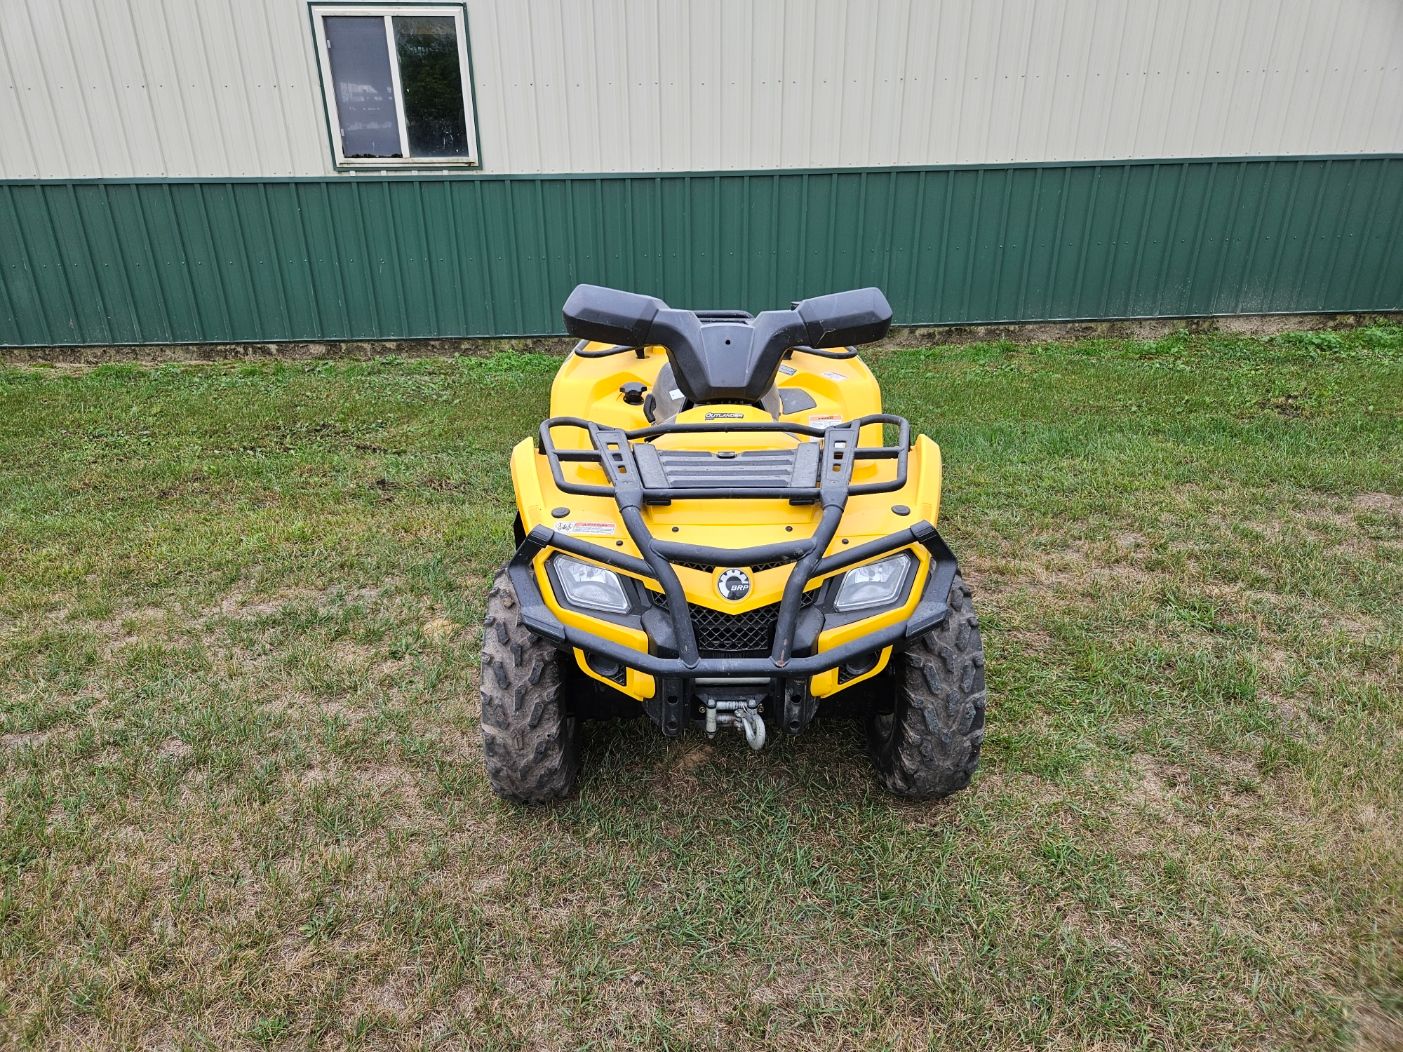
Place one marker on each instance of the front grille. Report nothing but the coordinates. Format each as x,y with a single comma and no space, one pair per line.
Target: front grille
774,564
682,469
757,568
719,634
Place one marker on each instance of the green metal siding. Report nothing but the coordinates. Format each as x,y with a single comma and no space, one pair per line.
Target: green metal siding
387,258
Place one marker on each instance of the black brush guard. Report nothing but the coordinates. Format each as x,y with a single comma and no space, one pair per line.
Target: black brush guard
634,482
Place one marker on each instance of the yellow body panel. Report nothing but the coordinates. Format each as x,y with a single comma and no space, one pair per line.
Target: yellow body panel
589,387
636,684
826,683
842,389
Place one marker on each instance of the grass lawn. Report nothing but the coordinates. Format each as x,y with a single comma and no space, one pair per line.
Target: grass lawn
243,800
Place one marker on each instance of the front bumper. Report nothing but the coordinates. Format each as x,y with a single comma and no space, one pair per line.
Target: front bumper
930,611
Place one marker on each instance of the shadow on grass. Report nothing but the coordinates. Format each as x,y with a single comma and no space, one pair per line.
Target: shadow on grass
632,773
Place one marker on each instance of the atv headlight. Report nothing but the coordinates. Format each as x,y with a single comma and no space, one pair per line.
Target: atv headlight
874,584
589,586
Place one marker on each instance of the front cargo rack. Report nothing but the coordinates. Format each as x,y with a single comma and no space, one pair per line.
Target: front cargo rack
638,474
801,474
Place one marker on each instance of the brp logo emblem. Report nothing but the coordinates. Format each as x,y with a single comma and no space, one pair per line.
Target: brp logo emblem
733,584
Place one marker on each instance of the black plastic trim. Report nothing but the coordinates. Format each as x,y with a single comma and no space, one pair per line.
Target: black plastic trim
607,352
839,355
930,611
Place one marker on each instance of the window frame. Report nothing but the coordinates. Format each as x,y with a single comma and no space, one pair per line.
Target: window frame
456,11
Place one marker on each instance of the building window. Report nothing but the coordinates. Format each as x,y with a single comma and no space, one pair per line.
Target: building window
397,84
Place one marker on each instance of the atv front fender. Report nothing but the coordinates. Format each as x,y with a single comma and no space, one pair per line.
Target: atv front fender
930,610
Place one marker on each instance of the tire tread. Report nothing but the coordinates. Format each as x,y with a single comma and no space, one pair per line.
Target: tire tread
530,740
931,747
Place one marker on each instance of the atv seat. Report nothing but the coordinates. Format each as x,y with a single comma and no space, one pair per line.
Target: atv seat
666,399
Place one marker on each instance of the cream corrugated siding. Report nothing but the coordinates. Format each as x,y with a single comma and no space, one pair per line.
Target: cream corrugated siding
170,88
120,88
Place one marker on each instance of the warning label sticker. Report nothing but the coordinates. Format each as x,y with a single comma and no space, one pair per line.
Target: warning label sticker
788,370
582,528
824,419
840,377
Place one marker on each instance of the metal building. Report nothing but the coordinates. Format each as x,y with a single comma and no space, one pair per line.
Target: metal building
225,170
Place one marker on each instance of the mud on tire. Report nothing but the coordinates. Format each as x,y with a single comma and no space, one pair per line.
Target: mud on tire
926,745
530,737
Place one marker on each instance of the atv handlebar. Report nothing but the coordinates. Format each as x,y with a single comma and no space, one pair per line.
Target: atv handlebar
725,355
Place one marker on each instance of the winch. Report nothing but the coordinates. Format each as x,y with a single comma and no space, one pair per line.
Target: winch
740,713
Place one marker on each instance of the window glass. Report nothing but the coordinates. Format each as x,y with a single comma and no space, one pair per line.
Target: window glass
432,84
365,94
396,83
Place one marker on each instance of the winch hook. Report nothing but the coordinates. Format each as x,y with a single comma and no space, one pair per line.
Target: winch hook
743,714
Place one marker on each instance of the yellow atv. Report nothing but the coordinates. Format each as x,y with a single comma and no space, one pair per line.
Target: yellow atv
713,529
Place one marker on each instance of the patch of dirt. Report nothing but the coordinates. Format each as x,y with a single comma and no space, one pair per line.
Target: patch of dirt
439,629
1157,782
174,749
1076,569
1274,660
1376,1030
1387,503
354,654
1357,627
1329,517
1073,919
389,779
1292,404
313,775
80,359
1370,818
788,987
1030,640
126,626
684,770
241,606
24,739
390,997
1243,599
339,350
368,594
1361,540
333,709
1240,780
389,669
